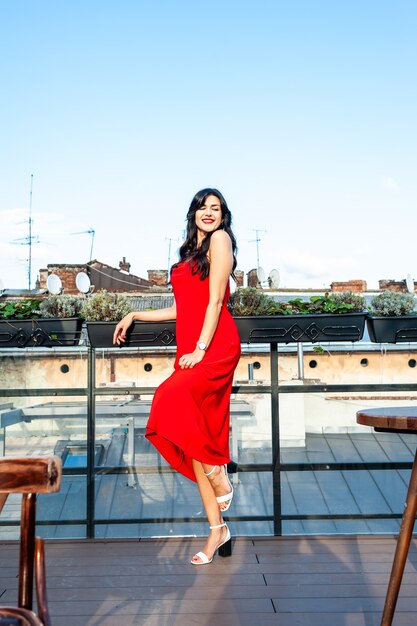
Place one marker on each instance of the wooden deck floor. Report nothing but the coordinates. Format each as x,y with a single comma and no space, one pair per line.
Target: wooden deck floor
322,581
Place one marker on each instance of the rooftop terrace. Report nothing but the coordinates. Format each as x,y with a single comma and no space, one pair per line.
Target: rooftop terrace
326,477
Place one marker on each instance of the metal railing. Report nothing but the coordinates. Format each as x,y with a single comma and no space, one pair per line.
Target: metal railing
276,467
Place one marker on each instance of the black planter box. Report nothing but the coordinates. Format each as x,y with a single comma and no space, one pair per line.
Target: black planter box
399,329
140,334
301,328
46,333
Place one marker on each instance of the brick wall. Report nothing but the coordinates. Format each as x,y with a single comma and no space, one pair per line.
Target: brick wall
357,286
66,273
393,285
158,277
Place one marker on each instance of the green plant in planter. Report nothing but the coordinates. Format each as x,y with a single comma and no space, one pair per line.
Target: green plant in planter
393,303
22,309
105,306
335,303
250,301
61,306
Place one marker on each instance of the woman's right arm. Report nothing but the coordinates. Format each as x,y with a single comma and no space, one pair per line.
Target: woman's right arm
159,315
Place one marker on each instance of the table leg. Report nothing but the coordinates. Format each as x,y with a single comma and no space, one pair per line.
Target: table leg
401,551
3,498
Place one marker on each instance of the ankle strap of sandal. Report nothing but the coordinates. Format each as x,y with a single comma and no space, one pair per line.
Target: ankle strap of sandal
211,471
218,526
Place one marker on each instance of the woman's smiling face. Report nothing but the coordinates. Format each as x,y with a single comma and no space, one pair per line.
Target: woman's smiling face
209,217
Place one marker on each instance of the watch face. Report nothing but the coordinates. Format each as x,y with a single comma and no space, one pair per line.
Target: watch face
201,345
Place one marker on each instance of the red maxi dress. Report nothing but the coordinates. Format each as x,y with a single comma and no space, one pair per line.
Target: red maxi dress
190,412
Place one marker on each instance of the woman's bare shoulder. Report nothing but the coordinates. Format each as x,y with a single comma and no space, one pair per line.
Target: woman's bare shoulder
220,238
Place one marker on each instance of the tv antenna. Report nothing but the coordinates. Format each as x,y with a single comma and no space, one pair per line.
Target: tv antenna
409,281
260,273
170,240
30,239
272,281
83,283
257,240
91,232
54,284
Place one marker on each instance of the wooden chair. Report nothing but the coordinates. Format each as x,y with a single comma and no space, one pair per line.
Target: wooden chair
29,476
400,419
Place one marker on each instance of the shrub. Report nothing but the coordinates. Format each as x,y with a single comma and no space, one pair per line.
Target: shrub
251,301
61,306
104,306
390,303
354,302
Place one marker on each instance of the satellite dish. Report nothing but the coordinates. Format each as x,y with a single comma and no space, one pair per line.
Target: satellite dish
410,283
83,282
54,284
273,279
260,272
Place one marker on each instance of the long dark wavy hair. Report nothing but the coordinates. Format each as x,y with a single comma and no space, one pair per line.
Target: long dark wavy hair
189,250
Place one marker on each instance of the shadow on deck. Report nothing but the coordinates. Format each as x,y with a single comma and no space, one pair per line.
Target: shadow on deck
285,581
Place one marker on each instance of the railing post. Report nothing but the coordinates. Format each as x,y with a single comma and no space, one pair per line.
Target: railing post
131,477
300,359
91,443
276,460
250,373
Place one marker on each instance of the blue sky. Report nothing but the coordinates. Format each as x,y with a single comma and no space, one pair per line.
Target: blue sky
302,112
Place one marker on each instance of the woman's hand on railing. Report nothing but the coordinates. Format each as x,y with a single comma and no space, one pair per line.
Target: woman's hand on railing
119,335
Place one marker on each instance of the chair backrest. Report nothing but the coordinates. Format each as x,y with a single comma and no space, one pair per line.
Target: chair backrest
29,476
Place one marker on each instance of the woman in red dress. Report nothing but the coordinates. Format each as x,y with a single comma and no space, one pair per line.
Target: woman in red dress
189,418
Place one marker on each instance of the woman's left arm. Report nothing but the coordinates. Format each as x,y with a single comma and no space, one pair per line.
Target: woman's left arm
221,265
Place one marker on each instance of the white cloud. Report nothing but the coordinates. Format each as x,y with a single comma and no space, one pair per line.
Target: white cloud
389,183
310,268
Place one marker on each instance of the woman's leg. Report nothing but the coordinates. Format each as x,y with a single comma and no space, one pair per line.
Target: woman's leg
220,483
212,510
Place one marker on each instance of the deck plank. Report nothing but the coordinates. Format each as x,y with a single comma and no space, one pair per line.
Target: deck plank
285,581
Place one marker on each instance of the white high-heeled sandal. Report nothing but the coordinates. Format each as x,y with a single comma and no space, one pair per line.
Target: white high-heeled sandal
224,548
228,497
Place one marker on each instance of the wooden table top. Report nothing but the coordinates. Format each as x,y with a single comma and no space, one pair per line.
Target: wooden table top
392,419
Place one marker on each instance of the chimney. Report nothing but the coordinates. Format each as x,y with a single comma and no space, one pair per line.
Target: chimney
124,266
252,278
239,278
392,285
43,277
158,277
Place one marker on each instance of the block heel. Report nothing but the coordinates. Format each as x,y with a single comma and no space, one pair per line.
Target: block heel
226,549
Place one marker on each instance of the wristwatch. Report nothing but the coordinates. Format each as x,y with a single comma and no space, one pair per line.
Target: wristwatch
201,345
